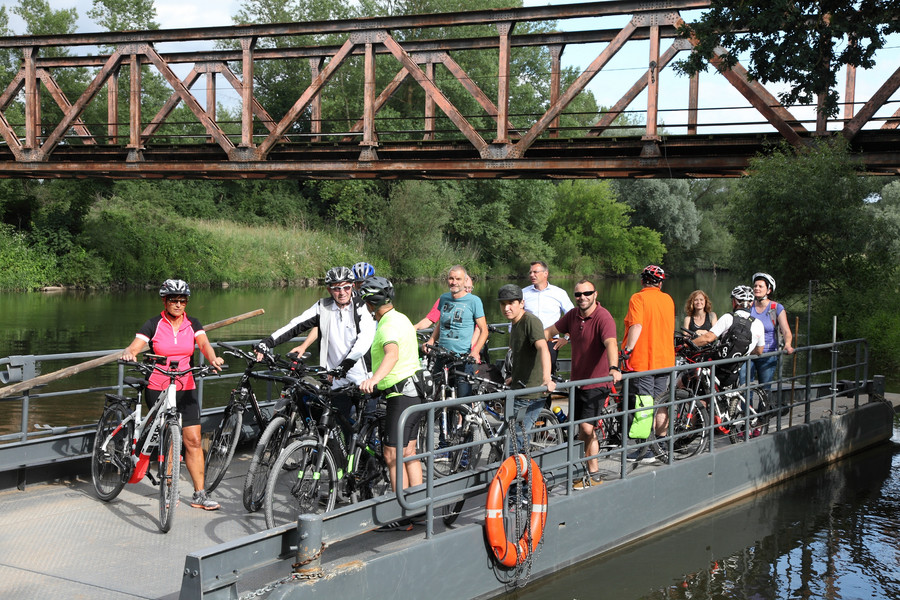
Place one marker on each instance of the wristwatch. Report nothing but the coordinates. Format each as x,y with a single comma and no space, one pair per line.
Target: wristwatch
615,368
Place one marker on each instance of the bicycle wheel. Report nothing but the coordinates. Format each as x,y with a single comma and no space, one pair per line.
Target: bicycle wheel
111,466
370,475
474,457
222,446
169,472
756,424
689,429
296,487
270,443
450,429
551,437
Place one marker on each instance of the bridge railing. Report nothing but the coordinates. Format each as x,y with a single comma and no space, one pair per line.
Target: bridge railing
416,96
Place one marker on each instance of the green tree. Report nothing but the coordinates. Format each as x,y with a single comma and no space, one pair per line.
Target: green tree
801,44
666,206
802,215
591,231
124,15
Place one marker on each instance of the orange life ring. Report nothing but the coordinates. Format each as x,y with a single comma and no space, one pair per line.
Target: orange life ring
507,553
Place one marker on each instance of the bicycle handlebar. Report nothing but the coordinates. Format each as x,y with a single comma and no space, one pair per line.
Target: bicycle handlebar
147,368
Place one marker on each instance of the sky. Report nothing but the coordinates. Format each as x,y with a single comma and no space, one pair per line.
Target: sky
608,86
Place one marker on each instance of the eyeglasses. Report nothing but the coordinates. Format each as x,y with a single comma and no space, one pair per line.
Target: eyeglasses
341,288
580,294
177,300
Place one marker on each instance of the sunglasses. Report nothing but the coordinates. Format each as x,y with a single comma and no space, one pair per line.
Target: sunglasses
341,288
177,300
580,294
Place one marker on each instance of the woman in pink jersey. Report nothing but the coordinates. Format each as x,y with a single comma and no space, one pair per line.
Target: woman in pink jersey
173,334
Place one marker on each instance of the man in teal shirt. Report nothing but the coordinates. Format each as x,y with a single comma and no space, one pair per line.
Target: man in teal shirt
395,360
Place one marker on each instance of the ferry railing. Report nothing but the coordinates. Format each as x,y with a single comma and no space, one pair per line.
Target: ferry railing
826,382
216,572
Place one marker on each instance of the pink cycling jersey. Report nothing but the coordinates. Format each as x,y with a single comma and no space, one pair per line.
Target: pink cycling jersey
164,339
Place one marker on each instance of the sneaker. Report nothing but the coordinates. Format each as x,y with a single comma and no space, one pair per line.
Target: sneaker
201,500
401,525
587,481
641,456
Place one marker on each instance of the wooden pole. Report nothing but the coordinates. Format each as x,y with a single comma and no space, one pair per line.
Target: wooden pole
102,360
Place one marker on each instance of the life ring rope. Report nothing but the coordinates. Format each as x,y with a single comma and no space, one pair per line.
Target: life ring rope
508,553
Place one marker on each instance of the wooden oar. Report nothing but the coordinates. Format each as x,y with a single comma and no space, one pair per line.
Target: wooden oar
102,360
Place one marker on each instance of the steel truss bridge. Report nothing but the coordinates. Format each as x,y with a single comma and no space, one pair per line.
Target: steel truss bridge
301,144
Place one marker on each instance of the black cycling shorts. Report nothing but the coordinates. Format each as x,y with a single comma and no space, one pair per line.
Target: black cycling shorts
395,406
589,403
186,402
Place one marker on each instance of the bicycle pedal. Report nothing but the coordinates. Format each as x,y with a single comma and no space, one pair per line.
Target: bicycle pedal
152,479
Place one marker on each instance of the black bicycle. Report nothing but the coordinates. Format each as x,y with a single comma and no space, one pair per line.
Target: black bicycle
225,438
292,417
308,476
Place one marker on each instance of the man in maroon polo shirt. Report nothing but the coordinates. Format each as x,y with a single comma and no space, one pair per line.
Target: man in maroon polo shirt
592,332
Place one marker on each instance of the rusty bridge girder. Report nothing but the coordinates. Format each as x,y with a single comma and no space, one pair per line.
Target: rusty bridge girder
267,145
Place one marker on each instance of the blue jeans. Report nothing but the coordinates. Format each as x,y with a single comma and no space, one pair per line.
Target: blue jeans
763,369
532,412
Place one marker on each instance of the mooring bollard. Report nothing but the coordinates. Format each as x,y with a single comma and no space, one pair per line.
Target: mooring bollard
309,546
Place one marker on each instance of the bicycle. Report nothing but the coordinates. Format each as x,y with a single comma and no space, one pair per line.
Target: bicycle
292,417
732,414
306,476
225,438
124,441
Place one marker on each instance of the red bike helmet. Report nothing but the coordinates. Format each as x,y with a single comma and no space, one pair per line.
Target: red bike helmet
652,274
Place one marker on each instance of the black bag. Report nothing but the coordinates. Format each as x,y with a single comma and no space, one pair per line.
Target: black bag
735,342
424,383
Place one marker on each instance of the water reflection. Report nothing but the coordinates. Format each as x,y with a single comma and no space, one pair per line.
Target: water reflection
829,534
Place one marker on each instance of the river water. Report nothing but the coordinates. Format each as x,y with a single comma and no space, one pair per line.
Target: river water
831,534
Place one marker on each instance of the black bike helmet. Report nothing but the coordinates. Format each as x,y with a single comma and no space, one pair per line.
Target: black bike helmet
338,275
652,274
376,291
362,270
174,287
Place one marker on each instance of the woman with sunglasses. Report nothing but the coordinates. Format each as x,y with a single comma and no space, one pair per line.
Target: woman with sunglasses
173,334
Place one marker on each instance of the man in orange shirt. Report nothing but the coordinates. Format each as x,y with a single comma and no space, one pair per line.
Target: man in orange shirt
649,326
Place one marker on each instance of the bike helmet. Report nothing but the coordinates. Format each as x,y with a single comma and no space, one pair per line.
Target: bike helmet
361,270
652,274
338,275
509,292
742,295
767,278
376,291
174,287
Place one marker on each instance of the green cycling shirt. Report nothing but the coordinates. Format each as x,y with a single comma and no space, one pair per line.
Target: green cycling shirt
395,328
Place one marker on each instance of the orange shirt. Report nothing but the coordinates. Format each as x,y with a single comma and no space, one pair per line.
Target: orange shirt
655,312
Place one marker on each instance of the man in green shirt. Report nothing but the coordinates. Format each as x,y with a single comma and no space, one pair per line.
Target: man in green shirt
528,359
395,360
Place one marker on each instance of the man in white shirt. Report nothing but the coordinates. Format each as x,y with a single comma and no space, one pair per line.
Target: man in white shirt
547,302
346,330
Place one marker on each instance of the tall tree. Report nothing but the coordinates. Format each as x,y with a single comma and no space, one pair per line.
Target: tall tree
124,15
666,206
802,44
803,215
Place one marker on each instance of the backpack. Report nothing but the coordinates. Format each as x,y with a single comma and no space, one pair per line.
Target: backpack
735,342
